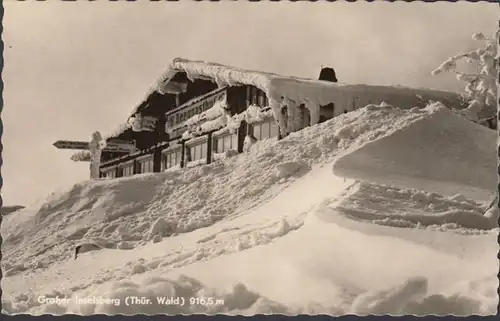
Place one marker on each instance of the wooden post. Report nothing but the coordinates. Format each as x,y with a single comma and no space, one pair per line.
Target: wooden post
209,148
95,152
135,167
242,133
157,160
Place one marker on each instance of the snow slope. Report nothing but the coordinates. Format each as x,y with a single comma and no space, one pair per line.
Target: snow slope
273,230
445,153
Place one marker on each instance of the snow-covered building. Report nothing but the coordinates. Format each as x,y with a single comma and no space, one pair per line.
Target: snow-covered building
198,110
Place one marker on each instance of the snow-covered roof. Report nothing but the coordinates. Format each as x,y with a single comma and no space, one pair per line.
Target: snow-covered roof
276,87
299,90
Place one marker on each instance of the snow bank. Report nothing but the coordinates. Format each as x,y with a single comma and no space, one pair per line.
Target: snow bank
187,295
412,298
437,152
154,295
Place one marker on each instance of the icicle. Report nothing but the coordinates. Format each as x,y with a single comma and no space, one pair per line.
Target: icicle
313,112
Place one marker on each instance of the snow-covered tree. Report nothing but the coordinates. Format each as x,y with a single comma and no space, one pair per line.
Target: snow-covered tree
481,87
81,156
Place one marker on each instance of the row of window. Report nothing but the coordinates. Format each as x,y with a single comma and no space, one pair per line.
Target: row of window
221,144
127,170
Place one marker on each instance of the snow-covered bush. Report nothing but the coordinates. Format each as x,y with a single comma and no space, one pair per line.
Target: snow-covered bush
481,85
81,156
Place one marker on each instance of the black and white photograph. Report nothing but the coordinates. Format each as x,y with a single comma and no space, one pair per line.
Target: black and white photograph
250,158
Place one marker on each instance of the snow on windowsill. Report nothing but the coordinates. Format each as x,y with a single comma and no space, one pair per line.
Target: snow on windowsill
173,168
197,162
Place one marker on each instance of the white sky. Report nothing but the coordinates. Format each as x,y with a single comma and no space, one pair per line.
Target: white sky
73,68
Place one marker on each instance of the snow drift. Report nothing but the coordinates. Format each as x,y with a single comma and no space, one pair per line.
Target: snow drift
121,212
414,208
267,231
443,153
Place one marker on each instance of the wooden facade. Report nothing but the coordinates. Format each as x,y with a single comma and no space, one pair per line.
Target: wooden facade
165,147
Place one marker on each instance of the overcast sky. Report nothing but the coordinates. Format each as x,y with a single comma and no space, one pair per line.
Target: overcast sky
73,68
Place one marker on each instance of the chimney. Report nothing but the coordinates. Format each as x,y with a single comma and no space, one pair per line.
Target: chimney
327,74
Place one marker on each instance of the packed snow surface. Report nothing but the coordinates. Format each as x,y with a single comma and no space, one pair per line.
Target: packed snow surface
273,230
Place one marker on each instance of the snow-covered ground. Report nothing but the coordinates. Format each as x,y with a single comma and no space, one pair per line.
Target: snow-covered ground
291,226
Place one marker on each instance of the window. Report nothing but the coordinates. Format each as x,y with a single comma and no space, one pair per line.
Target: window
109,173
146,165
224,143
128,169
198,152
249,95
219,145
177,118
192,152
262,98
187,152
254,96
266,130
227,143
234,142
256,131
171,158
178,156
326,112
305,116
203,150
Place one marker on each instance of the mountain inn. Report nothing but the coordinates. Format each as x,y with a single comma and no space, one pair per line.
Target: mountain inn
198,111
